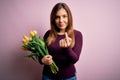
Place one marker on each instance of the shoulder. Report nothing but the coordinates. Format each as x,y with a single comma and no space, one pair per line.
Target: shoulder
78,37
46,34
77,33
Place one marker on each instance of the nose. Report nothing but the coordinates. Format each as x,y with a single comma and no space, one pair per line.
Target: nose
61,19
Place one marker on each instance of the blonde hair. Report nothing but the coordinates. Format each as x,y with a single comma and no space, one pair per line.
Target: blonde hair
53,31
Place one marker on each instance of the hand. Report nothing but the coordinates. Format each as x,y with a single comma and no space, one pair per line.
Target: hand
66,42
47,60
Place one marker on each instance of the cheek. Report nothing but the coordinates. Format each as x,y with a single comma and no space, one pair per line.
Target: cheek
56,22
66,20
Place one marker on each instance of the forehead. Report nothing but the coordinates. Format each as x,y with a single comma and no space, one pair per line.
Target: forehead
61,11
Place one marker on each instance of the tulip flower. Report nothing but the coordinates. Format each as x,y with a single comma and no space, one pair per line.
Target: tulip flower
33,33
24,42
26,38
38,48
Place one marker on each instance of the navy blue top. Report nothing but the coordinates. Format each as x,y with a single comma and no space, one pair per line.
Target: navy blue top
65,58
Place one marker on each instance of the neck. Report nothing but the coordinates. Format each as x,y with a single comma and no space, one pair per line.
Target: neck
61,33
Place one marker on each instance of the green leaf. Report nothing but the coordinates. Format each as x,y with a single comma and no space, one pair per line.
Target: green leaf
35,59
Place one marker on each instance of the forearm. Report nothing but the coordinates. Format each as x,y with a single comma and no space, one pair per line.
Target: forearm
72,55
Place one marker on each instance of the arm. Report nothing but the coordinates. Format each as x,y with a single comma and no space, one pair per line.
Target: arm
74,53
48,58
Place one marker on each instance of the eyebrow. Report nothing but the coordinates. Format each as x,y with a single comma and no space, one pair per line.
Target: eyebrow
62,15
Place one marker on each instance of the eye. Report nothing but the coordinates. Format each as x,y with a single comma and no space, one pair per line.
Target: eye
64,16
56,17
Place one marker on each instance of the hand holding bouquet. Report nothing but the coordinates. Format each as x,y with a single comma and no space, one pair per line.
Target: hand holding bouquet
38,48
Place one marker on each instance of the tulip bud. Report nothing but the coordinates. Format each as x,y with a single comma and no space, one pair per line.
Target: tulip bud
35,32
24,42
30,39
32,33
26,38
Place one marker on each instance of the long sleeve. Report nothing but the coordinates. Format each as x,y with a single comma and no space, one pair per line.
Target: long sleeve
65,58
74,53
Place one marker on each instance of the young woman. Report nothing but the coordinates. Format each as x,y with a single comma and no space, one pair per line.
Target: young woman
64,44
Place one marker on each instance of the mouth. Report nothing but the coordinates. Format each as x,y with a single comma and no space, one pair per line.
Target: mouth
61,25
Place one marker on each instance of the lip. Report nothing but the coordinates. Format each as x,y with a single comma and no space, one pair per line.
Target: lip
61,25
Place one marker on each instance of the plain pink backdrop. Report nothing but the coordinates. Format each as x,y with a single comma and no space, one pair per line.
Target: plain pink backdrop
98,20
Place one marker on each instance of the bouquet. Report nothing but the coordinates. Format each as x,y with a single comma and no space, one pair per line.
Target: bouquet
38,47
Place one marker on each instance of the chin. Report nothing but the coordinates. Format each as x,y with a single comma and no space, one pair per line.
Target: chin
62,27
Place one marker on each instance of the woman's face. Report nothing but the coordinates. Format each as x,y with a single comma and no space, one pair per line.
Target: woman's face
61,19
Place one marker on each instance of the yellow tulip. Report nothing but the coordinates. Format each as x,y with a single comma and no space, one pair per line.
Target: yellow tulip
24,41
26,38
35,32
32,33
30,39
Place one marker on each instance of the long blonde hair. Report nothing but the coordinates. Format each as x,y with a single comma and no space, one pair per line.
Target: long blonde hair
53,31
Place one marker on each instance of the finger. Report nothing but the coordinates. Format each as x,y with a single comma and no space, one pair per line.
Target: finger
50,62
61,43
65,43
66,35
49,56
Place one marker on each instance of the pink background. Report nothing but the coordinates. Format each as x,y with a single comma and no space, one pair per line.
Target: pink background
98,20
